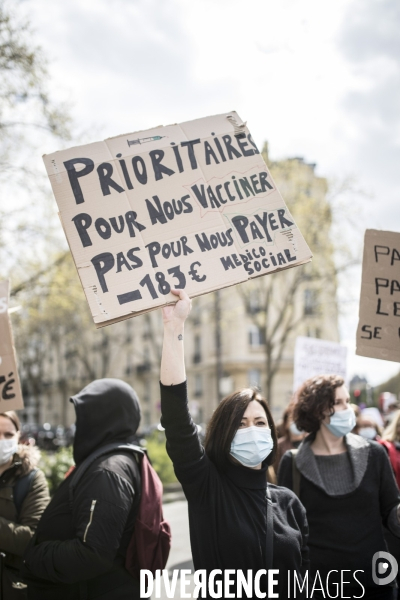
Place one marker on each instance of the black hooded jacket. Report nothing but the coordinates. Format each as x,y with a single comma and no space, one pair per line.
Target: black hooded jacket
80,553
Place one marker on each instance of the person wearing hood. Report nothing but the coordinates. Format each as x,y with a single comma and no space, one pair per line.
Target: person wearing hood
347,487
79,550
18,471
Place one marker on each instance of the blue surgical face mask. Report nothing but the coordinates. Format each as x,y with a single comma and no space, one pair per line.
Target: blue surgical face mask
369,433
294,430
252,445
342,422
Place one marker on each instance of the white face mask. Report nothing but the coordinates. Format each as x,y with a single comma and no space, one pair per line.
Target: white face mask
342,422
252,445
293,429
7,449
367,432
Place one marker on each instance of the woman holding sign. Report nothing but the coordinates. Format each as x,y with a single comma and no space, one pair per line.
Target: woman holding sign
237,523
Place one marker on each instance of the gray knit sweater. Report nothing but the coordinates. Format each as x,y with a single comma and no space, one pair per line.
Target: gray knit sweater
340,474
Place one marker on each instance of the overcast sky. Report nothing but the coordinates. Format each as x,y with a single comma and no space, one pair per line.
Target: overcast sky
316,79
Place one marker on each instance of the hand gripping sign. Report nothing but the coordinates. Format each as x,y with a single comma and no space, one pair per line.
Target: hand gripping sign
10,390
184,206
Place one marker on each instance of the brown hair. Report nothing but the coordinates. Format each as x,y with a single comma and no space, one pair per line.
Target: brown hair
226,421
10,414
315,398
287,415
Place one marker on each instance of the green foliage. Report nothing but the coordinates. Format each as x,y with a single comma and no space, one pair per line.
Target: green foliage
158,455
55,465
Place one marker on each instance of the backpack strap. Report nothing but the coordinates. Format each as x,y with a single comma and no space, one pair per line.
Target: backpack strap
296,475
103,451
269,557
22,487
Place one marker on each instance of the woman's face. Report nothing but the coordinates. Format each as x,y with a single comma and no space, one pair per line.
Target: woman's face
254,415
342,398
8,429
342,401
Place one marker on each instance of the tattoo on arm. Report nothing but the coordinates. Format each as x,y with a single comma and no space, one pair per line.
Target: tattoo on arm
180,337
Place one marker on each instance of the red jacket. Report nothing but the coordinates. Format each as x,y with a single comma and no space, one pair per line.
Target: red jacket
394,457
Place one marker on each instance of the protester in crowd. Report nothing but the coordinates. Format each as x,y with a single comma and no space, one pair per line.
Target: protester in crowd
225,482
81,542
368,428
24,495
390,406
391,442
291,438
346,485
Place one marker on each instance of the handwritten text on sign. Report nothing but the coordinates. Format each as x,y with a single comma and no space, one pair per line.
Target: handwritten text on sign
378,334
318,357
10,391
187,206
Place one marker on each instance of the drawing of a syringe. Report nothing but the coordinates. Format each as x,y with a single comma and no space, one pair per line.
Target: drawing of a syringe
153,138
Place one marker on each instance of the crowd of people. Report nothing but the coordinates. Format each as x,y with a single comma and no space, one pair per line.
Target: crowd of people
330,505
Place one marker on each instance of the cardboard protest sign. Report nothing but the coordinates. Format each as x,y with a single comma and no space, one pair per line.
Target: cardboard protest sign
378,333
187,206
313,356
10,389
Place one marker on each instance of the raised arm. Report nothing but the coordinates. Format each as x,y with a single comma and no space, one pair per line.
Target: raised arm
183,444
172,361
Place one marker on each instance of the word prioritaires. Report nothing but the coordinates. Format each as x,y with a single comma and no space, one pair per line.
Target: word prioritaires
154,168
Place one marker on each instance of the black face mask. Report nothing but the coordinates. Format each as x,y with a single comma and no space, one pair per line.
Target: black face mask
107,411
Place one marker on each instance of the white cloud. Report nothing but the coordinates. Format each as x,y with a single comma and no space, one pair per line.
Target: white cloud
317,79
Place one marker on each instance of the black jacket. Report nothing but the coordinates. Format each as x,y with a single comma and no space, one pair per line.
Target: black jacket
81,552
346,530
227,510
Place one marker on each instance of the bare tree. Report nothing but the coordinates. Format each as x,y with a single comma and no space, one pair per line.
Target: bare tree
28,118
278,303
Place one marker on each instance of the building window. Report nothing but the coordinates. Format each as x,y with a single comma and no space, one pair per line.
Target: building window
254,305
146,332
198,385
196,316
310,302
145,365
313,332
147,391
254,377
256,336
226,385
128,332
197,349
129,364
